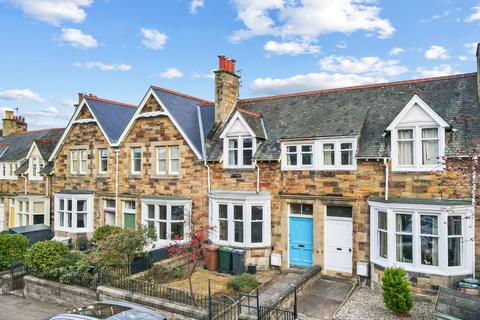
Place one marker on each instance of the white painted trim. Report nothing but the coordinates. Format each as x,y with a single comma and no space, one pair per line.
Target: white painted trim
413,101
74,197
236,116
442,212
240,164
73,120
137,114
85,121
151,114
202,134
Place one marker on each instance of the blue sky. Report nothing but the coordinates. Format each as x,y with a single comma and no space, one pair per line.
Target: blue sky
52,49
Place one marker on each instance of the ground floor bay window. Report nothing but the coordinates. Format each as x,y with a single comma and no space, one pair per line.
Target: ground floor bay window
32,209
428,236
74,212
169,216
240,219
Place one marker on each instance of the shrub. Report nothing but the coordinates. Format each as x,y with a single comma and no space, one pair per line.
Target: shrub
243,283
71,264
396,290
42,256
103,232
81,243
12,249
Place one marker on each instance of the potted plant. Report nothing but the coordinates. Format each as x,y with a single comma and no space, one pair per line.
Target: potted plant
396,291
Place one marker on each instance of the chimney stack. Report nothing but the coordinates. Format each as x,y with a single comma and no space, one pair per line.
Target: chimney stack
227,88
13,124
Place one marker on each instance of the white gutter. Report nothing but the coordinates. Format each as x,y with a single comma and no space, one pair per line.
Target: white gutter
116,186
208,175
474,201
385,162
258,176
46,185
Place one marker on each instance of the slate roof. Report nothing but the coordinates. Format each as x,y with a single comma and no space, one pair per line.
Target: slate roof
365,111
48,168
183,109
46,147
23,168
112,116
254,121
19,143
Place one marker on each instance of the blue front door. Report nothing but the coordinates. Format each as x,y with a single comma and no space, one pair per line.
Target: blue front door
301,242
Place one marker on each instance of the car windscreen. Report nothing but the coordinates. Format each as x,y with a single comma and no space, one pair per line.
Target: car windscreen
101,310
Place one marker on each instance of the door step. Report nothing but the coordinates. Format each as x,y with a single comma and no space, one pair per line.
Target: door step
17,293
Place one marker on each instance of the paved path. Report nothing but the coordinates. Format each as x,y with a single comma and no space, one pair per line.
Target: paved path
323,298
279,288
13,307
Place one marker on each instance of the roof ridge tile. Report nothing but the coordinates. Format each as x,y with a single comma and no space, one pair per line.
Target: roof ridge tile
181,94
34,131
121,104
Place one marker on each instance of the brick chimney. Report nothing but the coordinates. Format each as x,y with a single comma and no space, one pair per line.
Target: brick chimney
13,124
227,87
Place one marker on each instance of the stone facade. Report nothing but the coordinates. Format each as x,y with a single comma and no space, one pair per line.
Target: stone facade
352,188
146,133
13,124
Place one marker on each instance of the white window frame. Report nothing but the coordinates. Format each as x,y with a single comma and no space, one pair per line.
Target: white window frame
83,161
168,160
74,198
74,169
417,165
132,160
102,159
247,201
187,204
109,209
239,150
299,154
7,170
128,210
318,154
417,210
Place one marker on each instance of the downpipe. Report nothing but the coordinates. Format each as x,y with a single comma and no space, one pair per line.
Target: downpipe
385,162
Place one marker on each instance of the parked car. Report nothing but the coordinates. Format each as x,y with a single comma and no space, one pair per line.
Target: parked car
112,310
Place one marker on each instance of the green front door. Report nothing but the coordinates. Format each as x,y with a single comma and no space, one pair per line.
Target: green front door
129,220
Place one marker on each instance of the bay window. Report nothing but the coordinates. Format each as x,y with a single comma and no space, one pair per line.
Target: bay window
168,217
422,237
31,210
240,219
239,151
74,212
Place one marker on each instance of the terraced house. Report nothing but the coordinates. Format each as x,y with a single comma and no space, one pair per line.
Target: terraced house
25,177
353,179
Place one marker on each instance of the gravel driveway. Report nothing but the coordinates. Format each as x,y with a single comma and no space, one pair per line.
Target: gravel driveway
367,304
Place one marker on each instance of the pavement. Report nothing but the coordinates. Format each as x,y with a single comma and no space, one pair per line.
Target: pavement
323,298
282,284
16,308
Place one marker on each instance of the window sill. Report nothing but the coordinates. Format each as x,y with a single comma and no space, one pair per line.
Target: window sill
457,271
418,169
165,177
135,175
243,168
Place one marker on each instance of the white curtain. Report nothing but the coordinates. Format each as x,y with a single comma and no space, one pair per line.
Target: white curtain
430,146
405,148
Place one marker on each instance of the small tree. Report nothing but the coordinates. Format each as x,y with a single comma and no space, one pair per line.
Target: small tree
396,291
191,249
119,249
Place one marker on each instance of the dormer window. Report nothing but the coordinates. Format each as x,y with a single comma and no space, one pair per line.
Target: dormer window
418,138
36,165
240,152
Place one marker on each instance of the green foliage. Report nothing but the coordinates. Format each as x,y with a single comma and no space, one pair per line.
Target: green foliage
42,256
178,272
244,283
119,249
81,243
71,264
12,249
396,290
104,232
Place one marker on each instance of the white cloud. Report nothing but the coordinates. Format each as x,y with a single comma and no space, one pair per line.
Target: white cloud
54,11
436,52
308,19
471,47
395,51
475,15
21,94
444,14
171,73
77,39
291,48
195,5
310,81
197,75
153,39
462,58
102,66
441,70
371,66
68,102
